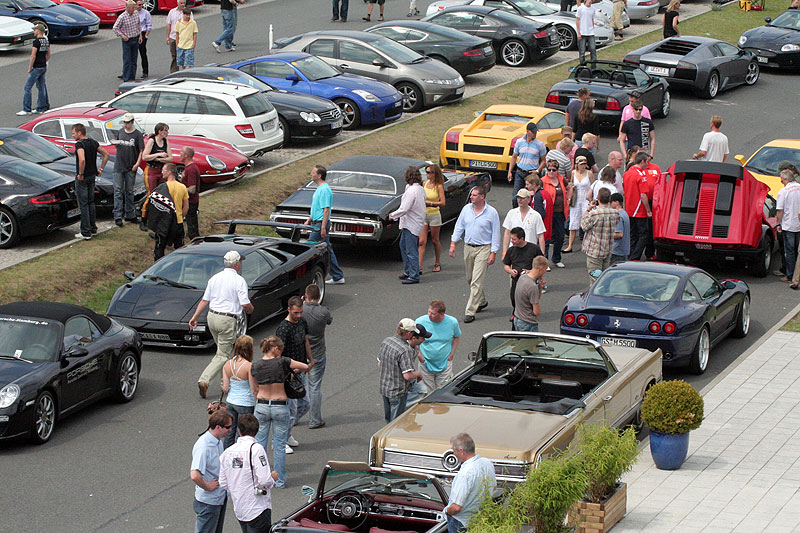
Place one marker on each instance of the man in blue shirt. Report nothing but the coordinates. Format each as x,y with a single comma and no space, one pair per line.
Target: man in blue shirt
473,483
209,497
436,353
621,248
320,219
479,226
528,157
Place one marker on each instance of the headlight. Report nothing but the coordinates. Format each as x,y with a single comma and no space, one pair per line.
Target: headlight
8,395
742,40
601,24
790,48
309,117
215,163
437,82
366,95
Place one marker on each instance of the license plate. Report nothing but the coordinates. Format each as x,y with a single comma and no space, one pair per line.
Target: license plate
488,50
702,246
762,59
266,125
613,341
28,42
74,212
658,71
156,336
337,124
94,27
483,164
460,90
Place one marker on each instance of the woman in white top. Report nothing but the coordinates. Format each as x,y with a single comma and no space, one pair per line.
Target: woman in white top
582,179
608,178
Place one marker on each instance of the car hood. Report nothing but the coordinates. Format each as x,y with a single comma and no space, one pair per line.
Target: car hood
351,82
144,300
12,27
770,37
488,130
11,371
67,14
299,102
344,201
431,69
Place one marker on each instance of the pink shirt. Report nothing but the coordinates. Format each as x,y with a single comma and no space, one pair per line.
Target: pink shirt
235,477
627,113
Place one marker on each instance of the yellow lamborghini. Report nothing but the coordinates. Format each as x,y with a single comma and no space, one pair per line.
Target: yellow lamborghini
764,163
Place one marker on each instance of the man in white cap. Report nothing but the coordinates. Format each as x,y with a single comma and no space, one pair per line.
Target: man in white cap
130,144
225,297
396,361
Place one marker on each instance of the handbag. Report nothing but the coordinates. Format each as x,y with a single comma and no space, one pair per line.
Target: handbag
573,200
294,386
217,405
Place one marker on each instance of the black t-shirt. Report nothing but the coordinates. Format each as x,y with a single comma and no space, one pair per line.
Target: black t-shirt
42,45
522,258
227,5
669,17
294,339
638,132
267,371
90,154
128,149
587,154
591,127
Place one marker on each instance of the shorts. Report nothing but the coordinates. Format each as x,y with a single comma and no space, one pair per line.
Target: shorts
185,57
379,2
433,220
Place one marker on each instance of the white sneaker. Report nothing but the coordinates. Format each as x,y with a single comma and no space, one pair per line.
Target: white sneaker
332,281
560,264
216,46
22,113
82,236
548,269
292,442
289,450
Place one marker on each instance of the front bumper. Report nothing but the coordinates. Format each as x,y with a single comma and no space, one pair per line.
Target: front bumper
236,173
675,349
352,230
304,130
169,334
388,109
443,94
781,60
16,42
58,31
16,420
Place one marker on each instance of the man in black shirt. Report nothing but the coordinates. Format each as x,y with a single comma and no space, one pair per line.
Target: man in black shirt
86,171
519,258
638,131
37,67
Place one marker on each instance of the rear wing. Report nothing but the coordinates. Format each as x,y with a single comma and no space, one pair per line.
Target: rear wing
296,228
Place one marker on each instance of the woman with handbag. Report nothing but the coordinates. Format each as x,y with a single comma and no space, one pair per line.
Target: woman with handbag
267,378
236,384
582,179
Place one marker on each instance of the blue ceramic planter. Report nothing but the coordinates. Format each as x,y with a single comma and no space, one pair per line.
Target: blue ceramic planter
669,449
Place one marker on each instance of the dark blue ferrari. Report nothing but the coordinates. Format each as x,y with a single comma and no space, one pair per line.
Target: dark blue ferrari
61,21
682,310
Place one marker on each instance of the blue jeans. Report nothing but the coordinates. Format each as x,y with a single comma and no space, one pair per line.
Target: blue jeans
415,393
315,391
340,12
519,183
84,190
335,272
123,195
130,51
582,43
278,415
298,408
791,239
409,250
556,237
209,518
42,101
454,526
228,27
521,325
236,411
394,407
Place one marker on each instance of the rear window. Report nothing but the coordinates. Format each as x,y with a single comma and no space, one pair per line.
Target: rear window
338,179
636,285
254,105
30,171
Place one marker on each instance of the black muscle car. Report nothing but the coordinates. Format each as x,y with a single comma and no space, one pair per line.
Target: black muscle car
776,44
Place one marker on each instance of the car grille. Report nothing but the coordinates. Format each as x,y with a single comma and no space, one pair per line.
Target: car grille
331,114
685,228
413,461
478,149
514,469
705,210
719,232
676,47
394,111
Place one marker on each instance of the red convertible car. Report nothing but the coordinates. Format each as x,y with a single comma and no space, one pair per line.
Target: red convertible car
217,160
704,210
107,10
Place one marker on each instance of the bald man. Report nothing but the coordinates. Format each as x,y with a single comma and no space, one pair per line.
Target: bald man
617,162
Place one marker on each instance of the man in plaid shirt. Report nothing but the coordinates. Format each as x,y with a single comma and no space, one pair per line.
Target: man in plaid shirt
396,361
599,222
128,27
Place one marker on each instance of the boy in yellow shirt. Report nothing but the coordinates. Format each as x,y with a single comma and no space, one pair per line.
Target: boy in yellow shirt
186,30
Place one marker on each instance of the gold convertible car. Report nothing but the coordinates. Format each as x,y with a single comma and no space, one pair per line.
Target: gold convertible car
487,142
520,401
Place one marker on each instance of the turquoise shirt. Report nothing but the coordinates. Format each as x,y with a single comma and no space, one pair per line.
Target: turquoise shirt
436,349
323,197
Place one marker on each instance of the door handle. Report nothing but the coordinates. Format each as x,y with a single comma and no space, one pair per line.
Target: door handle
344,65
607,398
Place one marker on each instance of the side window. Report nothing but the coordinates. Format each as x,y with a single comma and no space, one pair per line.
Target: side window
640,77
171,103
273,69
254,267
728,49
716,51
250,68
690,293
134,103
556,120
49,128
322,48
215,106
93,130
706,285
77,329
357,53
456,20
499,4
486,22
395,33
193,106
770,207
416,36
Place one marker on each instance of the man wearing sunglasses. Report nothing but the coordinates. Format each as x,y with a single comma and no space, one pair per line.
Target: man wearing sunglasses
209,497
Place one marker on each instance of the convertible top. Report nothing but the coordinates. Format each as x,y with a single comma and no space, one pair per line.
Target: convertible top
378,164
59,312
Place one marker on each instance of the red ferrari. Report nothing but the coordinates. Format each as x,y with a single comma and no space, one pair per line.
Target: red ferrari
217,160
107,10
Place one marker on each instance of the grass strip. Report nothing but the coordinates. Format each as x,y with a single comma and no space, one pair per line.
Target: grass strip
89,272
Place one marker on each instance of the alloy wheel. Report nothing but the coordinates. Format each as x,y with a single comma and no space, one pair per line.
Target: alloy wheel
703,349
514,53
752,73
128,377
348,113
745,316
45,416
6,228
319,281
567,37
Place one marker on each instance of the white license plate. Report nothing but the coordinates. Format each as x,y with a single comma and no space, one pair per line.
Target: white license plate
28,42
74,212
613,341
460,90
337,124
762,59
488,50
658,71
156,336
266,125
94,27
702,246
482,164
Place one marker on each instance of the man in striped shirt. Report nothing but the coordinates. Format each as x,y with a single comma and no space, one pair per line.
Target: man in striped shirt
128,27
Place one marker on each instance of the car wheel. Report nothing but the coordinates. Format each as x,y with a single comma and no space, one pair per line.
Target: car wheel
150,5
44,418
318,279
9,228
413,100
712,86
753,71
514,53
242,325
763,261
638,422
43,23
127,377
351,116
287,136
568,37
743,320
698,362
666,104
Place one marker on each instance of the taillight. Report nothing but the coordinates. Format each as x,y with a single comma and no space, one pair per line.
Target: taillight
474,53
669,328
514,141
582,320
541,34
452,136
246,130
48,198
552,98
654,327
612,104
648,3
686,71
569,319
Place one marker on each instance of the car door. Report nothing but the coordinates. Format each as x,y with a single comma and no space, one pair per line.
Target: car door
732,64
275,74
94,130
171,108
264,275
615,395
359,58
486,27
137,103
721,305
82,367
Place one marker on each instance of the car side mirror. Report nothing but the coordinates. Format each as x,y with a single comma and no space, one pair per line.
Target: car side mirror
293,78
739,158
472,356
379,62
767,19
476,114
77,351
130,275
305,490
728,284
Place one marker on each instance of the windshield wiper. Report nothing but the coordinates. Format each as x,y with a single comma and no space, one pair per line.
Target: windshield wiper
168,281
15,358
752,168
418,60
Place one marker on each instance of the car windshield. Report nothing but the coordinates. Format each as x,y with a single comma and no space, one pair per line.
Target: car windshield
183,270
397,51
115,124
314,68
380,483
362,181
532,7
35,4
515,119
32,148
533,346
636,285
30,171
29,339
766,160
788,19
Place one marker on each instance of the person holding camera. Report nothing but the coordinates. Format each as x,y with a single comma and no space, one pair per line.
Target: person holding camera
244,472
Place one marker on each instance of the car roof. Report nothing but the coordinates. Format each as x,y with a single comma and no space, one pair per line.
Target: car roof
281,55
378,164
785,143
469,7
196,85
101,112
418,24
354,34
655,267
60,312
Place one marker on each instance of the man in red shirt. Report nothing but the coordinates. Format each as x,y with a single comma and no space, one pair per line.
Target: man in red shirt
191,179
637,204
653,176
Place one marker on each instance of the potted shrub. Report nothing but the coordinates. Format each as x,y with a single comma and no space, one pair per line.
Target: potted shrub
671,409
606,454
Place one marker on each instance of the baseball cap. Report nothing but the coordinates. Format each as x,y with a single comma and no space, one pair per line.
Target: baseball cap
40,27
233,257
407,324
128,117
581,159
424,333
635,94
523,193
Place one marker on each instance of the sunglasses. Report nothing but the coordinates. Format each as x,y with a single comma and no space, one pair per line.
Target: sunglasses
229,426
429,172
552,170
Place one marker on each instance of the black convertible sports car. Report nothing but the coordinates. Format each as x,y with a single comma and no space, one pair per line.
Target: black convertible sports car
159,302
610,83
700,63
366,188
56,358
777,44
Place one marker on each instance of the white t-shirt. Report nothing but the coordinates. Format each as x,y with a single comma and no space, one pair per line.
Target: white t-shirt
586,16
715,145
533,223
597,185
226,292
789,201
617,181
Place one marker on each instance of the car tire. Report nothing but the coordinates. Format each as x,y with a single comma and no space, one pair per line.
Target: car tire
743,319
753,72
568,37
44,418
126,377
712,86
761,265
351,115
9,228
287,136
413,99
698,361
440,59
318,279
514,53
638,423
666,104
43,23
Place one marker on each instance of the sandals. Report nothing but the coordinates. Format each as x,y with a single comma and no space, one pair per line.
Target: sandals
437,267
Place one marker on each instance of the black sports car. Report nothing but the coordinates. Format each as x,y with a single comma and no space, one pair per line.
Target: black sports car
777,44
30,147
159,302
56,358
700,63
366,188
610,83
302,116
516,39
464,52
33,200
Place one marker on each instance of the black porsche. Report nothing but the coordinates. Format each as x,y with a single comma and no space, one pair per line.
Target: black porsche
366,188
776,44
56,358
159,302
703,64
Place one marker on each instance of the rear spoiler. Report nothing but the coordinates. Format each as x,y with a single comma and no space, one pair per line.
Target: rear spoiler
709,167
296,228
